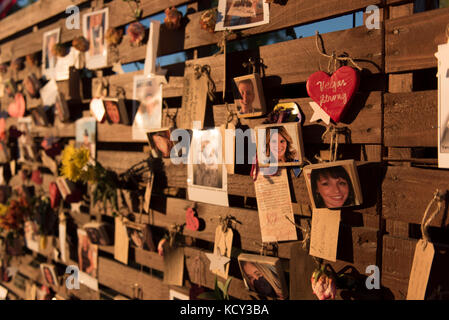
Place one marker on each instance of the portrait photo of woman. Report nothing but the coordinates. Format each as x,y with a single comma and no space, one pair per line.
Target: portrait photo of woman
280,144
86,254
333,185
160,143
266,278
249,99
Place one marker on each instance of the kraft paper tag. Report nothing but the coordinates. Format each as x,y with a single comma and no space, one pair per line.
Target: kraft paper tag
121,242
49,163
419,276
147,197
173,266
194,101
223,244
324,234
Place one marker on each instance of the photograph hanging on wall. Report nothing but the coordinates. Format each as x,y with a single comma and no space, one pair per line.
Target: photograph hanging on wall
443,106
86,134
160,142
263,275
116,111
248,96
333,185
25,141
280,144
95,25
239,14
48,57
49,274
147,106
206,172
87,260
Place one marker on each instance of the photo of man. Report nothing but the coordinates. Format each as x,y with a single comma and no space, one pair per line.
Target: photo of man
249,99
48,58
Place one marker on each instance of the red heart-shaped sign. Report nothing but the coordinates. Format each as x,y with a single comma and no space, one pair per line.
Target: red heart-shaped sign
192,222
334,94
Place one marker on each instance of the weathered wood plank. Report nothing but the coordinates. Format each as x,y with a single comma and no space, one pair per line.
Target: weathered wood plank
121,279
410,119
407,191
412,41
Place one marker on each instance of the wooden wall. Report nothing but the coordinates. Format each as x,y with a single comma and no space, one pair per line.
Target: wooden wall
392,125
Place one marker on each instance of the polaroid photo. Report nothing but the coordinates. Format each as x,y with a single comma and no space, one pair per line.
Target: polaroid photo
280,144
248,96
333,185
206,171
140,236
49,275
239,14
147,98
116,111
176,295
61,108
160,143
48,58
95,25
98,233
87,260
263,275
86,134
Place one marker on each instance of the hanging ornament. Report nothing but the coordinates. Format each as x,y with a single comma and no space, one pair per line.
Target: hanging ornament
16,109
114,36
208,20
136,33
172,18
217,261
192,222
334,93
80,43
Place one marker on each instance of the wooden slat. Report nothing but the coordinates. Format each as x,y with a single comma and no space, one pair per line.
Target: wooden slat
407,191
34,14
281,16
411,41
121,279
410,119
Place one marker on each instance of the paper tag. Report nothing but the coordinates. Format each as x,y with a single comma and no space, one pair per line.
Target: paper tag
223,244
324,234
153,43
419,276
228,136
148,190
121,242
274,204
173,266
194,100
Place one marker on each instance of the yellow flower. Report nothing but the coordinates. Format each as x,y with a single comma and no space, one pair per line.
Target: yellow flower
74,162
3,209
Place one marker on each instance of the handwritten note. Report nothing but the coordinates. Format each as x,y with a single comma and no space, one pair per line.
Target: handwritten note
324,234
419,276
274,204
194,99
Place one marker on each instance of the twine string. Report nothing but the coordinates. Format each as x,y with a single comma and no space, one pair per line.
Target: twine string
303,230
333,58
171,117
438,199
205,70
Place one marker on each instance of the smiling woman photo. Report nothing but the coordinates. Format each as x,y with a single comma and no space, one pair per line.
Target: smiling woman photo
332,187
279,145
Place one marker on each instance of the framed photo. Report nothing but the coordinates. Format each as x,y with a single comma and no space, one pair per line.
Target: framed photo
98,233
148,106
263,275
48,58
140,236
176,295
280,144
49,274
39,116
116,111
160,142
249,98
61,108
86,134
207,175
87,254
239,14
95,25
333,185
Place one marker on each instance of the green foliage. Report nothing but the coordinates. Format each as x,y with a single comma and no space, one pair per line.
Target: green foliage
220,291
